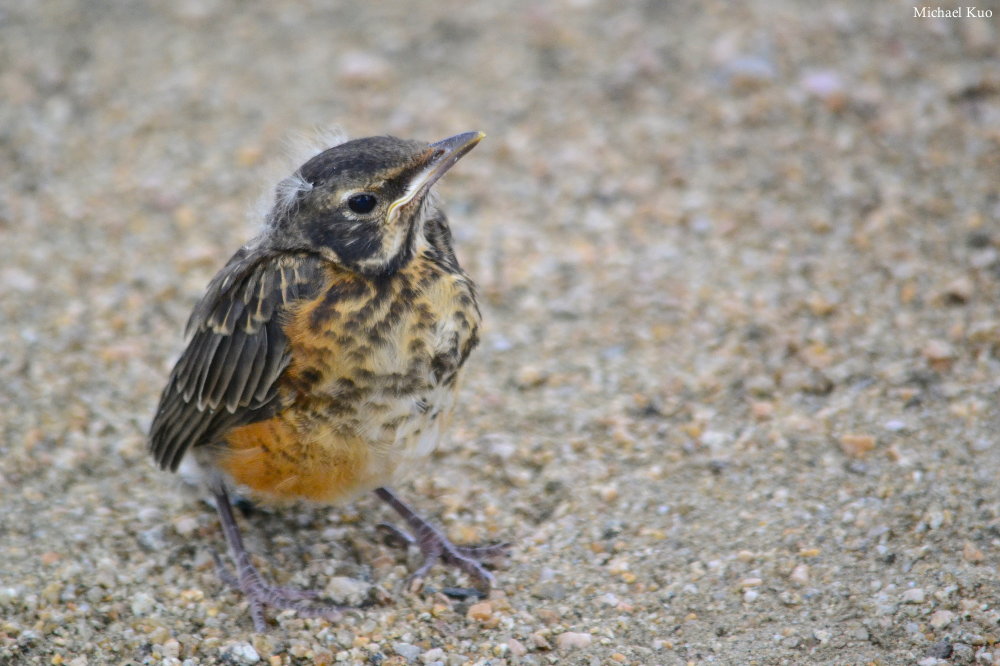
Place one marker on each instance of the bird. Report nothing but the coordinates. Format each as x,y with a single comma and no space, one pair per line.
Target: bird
324,358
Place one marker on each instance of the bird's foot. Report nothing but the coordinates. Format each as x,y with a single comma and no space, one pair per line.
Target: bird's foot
260,594
437,548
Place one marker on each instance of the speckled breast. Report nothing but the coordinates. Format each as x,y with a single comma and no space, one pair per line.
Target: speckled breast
370,386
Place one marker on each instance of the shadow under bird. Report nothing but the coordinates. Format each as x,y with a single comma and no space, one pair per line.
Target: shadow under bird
323,359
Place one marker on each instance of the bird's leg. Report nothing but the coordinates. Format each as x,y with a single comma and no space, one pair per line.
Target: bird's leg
249,581
436,547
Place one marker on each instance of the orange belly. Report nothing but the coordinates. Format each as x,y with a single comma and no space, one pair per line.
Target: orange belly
273,459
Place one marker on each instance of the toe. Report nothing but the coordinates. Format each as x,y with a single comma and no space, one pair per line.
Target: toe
485,552
394,536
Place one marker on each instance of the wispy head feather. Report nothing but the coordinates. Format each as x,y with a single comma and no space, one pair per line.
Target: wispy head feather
299,148
286,194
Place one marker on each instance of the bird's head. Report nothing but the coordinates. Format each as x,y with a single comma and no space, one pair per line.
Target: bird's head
363,203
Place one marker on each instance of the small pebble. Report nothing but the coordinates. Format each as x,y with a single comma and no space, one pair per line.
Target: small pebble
970,553
962,653
432,655
240,653
828,86
185,525
142,604
171,648
608,493
940,650
941,619
749,72
858,634
981,444
530,376
762,411
407,651
8,595
894,425
857,446
800,574
480,612
572,640
50,557
551,591
959,290
153,539
914,595
939,354
347,590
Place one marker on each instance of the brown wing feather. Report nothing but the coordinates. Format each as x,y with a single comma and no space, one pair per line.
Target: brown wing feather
227,376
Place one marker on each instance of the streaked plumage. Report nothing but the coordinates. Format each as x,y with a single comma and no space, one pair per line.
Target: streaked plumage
324,357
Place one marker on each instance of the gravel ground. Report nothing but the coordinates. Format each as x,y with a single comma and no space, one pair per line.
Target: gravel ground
736,400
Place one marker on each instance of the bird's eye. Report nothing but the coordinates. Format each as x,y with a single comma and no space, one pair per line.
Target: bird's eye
362,203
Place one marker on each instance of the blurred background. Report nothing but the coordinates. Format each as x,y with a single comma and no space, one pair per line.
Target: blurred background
736,399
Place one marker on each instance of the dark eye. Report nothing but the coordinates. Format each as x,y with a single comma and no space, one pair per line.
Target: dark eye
362,203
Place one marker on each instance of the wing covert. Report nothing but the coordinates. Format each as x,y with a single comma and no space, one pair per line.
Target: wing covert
237,350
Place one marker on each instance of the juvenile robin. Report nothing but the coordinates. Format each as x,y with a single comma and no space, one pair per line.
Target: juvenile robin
323,359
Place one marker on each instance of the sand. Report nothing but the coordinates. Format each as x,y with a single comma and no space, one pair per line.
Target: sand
736,399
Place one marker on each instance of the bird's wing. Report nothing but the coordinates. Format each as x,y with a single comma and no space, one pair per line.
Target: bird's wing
237,350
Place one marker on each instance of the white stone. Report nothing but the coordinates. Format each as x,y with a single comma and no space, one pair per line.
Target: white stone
241,653
407,651
347,590
432,655
822,635
572,640
941,619
142,604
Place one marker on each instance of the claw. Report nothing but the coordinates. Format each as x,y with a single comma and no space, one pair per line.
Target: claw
284,593
395,536
437,548
249,581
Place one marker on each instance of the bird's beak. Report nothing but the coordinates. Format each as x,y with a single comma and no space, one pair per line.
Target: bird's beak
448,151
443,156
